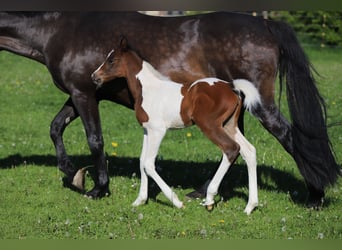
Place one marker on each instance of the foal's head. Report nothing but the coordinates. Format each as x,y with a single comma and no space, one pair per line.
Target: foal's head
120,62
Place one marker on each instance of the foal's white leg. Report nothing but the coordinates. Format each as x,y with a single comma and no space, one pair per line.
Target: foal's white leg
154,138
143,191
248,153
216,181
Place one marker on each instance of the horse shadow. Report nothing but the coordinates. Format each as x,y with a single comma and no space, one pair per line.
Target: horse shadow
185,175
195,175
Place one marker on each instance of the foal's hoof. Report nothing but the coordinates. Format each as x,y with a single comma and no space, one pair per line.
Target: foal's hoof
98,193
139,202
210,207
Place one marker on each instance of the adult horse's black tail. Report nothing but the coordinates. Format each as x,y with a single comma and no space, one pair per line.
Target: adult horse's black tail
312,150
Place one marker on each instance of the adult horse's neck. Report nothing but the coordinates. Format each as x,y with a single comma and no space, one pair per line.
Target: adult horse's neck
26,33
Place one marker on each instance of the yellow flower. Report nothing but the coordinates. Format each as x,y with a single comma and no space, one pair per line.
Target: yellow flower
221,221
115,144
114,154
188,134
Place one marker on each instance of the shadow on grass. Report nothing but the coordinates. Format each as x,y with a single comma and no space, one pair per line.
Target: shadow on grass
185,175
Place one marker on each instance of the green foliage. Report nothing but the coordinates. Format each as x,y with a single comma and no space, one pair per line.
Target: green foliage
319,27
35,205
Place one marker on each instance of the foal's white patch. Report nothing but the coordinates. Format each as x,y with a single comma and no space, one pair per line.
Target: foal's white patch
210,80
147,68
161,98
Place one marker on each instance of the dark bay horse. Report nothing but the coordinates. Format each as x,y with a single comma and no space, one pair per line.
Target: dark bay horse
223,45
212,104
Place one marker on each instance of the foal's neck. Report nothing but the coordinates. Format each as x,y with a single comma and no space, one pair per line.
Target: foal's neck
133,67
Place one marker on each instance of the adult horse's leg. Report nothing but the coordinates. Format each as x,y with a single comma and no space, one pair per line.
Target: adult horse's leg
271,118
64,117
87,108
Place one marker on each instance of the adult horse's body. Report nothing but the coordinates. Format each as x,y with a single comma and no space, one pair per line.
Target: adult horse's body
223,45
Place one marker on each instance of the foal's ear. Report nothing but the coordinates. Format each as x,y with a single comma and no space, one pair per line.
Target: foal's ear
123,43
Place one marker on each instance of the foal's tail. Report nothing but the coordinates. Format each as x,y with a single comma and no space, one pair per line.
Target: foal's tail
251,94
311,146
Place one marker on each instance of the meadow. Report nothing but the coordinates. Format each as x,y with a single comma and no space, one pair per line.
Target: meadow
35,205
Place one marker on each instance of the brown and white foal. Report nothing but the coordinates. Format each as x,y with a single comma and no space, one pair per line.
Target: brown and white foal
212,104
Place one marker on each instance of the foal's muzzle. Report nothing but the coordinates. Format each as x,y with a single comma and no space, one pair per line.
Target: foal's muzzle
97,80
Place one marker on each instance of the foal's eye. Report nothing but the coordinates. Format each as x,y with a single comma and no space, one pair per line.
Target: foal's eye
112,60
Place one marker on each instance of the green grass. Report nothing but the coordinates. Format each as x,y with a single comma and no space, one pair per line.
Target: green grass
34,205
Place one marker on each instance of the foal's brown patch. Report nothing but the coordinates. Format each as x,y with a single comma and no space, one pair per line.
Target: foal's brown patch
141,114
221,101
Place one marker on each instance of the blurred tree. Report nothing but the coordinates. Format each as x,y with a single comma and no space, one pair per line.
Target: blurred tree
321,27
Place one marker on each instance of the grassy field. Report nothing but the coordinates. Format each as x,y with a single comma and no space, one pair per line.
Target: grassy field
34,205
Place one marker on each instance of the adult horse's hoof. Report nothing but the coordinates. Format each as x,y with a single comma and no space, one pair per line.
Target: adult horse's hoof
315,200
315,204
98,193
199,193
79,178
68,183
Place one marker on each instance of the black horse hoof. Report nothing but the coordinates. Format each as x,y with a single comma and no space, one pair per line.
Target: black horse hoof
97,193
200,193
315,204
315,200
67,183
